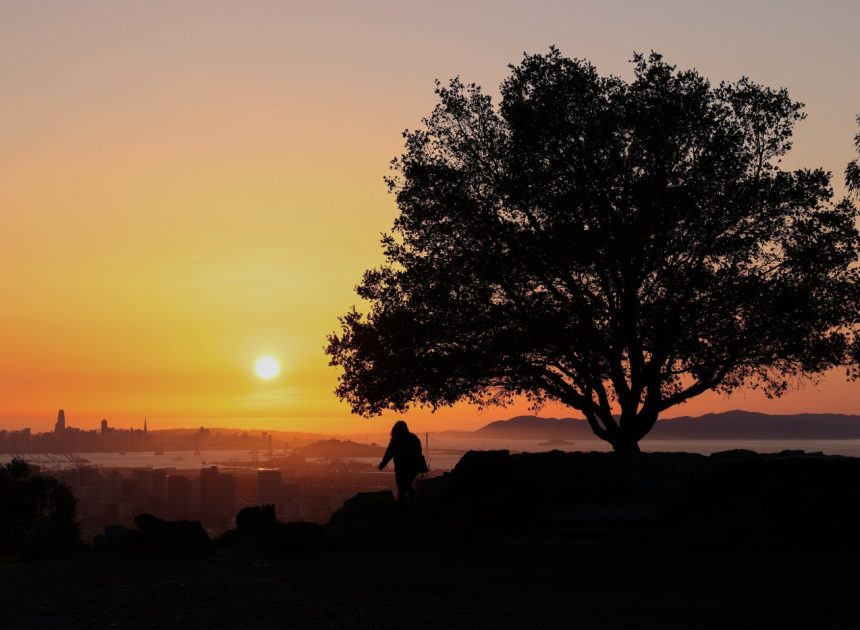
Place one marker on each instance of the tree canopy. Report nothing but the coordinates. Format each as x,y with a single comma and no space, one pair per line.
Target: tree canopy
617,246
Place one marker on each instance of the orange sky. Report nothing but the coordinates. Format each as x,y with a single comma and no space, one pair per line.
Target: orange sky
185,188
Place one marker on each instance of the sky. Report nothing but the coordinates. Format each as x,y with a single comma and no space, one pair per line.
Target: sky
187,186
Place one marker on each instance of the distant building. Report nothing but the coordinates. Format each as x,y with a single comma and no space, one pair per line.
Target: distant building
143,477
159,482
217,492
130,490
61,423
105,427
178,502
229,487
113,488
269,487
209,489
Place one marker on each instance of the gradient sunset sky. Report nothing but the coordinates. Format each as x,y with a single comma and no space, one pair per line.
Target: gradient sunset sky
185,186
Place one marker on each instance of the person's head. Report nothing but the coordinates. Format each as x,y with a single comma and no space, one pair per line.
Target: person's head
399,428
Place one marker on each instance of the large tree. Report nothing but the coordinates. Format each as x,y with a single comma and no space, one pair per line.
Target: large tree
618,246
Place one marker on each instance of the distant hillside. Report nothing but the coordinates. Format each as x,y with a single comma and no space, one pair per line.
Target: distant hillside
730,425
748,425
535,428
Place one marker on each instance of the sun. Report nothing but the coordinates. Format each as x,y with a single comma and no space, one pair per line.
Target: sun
267,367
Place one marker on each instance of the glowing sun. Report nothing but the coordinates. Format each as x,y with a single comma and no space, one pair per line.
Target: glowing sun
267,367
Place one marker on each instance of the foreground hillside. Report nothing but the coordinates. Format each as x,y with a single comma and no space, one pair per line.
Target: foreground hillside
587,540
441,587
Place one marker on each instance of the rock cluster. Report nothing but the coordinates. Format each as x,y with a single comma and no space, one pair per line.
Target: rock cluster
155,536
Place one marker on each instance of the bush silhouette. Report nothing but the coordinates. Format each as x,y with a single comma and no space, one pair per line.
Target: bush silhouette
37,514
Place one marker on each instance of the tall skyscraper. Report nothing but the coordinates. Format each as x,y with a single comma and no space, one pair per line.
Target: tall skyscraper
61,422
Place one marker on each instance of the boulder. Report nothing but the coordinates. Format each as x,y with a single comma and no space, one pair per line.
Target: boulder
119,539
365,509
173,537
258,531
252,521
479,467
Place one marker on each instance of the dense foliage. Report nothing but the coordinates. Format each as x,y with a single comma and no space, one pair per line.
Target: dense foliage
616,246
37,513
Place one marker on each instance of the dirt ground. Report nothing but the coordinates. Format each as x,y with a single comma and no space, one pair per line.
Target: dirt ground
443,587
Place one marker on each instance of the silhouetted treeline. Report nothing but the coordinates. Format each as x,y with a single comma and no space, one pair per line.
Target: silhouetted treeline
37,514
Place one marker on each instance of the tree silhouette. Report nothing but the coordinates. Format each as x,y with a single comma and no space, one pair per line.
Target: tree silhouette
620,247
37,513
852,171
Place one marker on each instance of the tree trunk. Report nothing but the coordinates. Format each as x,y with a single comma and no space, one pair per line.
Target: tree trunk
622,434
626,439
625,445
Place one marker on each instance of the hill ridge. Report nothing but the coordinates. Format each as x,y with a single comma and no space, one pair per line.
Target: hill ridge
734,424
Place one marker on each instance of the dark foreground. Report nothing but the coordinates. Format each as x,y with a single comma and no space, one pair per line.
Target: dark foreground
479,586
552,540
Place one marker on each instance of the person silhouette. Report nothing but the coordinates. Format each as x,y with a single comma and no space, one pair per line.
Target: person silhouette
405,449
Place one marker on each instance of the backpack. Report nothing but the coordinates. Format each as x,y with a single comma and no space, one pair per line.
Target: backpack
421,464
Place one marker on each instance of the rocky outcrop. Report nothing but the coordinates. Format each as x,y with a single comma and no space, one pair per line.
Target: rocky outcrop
784,499
155,535
258,531
255,520
728,499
